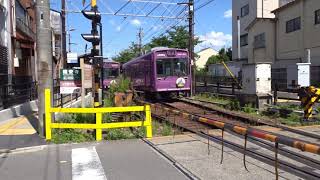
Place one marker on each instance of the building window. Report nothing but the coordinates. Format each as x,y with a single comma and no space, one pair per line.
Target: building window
317,17
260,41
245,10
244,40
293,25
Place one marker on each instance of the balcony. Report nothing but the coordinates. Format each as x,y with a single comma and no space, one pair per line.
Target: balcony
24,21
23,27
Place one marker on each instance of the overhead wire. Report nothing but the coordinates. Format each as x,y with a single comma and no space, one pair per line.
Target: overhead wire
196,9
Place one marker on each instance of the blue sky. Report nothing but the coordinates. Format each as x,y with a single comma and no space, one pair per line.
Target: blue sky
212,24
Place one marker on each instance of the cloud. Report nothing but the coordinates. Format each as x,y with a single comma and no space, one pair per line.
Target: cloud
156,27
112,22
216,40
135,22
118,28
228,14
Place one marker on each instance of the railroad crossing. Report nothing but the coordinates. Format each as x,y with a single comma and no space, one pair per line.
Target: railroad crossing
138,113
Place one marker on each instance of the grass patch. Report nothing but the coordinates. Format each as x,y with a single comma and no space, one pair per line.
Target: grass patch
292,120
119,133
212,98
282,113
167,129
61,136
249,109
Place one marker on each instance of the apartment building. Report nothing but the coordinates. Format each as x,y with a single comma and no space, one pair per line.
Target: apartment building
5,39
284,38
17,51
246,11
23,46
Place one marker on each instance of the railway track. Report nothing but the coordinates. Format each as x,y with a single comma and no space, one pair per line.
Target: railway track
178,114
211,108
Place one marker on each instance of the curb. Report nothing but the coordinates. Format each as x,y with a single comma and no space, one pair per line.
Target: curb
5,152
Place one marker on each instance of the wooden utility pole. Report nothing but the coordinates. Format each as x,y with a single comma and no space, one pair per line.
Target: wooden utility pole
64,33
44,57
191,45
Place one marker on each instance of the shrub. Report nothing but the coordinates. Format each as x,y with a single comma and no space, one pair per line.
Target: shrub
122,85
234,105
248,108
60,136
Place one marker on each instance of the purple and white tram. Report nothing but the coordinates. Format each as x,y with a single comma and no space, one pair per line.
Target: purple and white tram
111,71
161,71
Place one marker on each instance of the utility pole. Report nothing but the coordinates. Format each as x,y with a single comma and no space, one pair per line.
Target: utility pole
44,55
64,33
191,45
140,36
69,41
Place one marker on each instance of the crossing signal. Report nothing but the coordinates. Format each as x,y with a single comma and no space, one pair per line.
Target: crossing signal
95,16
93,38
92,15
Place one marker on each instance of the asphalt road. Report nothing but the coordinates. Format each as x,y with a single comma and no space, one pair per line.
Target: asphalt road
127,159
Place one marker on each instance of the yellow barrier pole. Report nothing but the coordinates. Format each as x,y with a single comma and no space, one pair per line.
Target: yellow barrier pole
93,3
99,129
148,122
48,114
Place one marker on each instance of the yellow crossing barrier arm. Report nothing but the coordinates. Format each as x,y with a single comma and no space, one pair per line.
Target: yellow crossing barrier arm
231,74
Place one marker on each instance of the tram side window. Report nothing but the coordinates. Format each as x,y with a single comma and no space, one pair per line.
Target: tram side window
164,68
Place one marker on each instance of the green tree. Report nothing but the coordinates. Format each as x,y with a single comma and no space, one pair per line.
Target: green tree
127,54
178,37
223,55
229,53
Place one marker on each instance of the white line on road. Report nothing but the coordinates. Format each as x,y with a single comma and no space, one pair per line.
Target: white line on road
86,165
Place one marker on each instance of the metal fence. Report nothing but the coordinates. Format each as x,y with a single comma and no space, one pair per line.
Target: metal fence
218,82
20,90
99,125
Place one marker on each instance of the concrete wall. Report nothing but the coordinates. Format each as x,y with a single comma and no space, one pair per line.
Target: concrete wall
32,106
220,70
267,54
291,47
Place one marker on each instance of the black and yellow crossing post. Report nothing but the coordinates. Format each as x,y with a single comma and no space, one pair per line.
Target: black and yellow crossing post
309,96
94,37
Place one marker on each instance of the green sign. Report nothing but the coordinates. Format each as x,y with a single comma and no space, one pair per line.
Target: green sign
70,74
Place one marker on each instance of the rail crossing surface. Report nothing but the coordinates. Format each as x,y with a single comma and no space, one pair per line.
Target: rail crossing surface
191,152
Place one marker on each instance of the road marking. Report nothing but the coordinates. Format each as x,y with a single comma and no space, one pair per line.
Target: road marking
17,126
86,164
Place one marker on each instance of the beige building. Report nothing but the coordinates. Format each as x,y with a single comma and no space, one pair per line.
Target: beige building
284,39
247,11
204,55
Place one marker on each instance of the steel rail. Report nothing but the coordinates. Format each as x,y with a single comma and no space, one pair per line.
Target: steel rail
261,121
257,155
285,152
295,143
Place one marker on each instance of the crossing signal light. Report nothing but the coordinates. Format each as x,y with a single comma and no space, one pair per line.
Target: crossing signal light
93,38
92,15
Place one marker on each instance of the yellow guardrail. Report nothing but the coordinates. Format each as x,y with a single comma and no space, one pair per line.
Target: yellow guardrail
98,125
